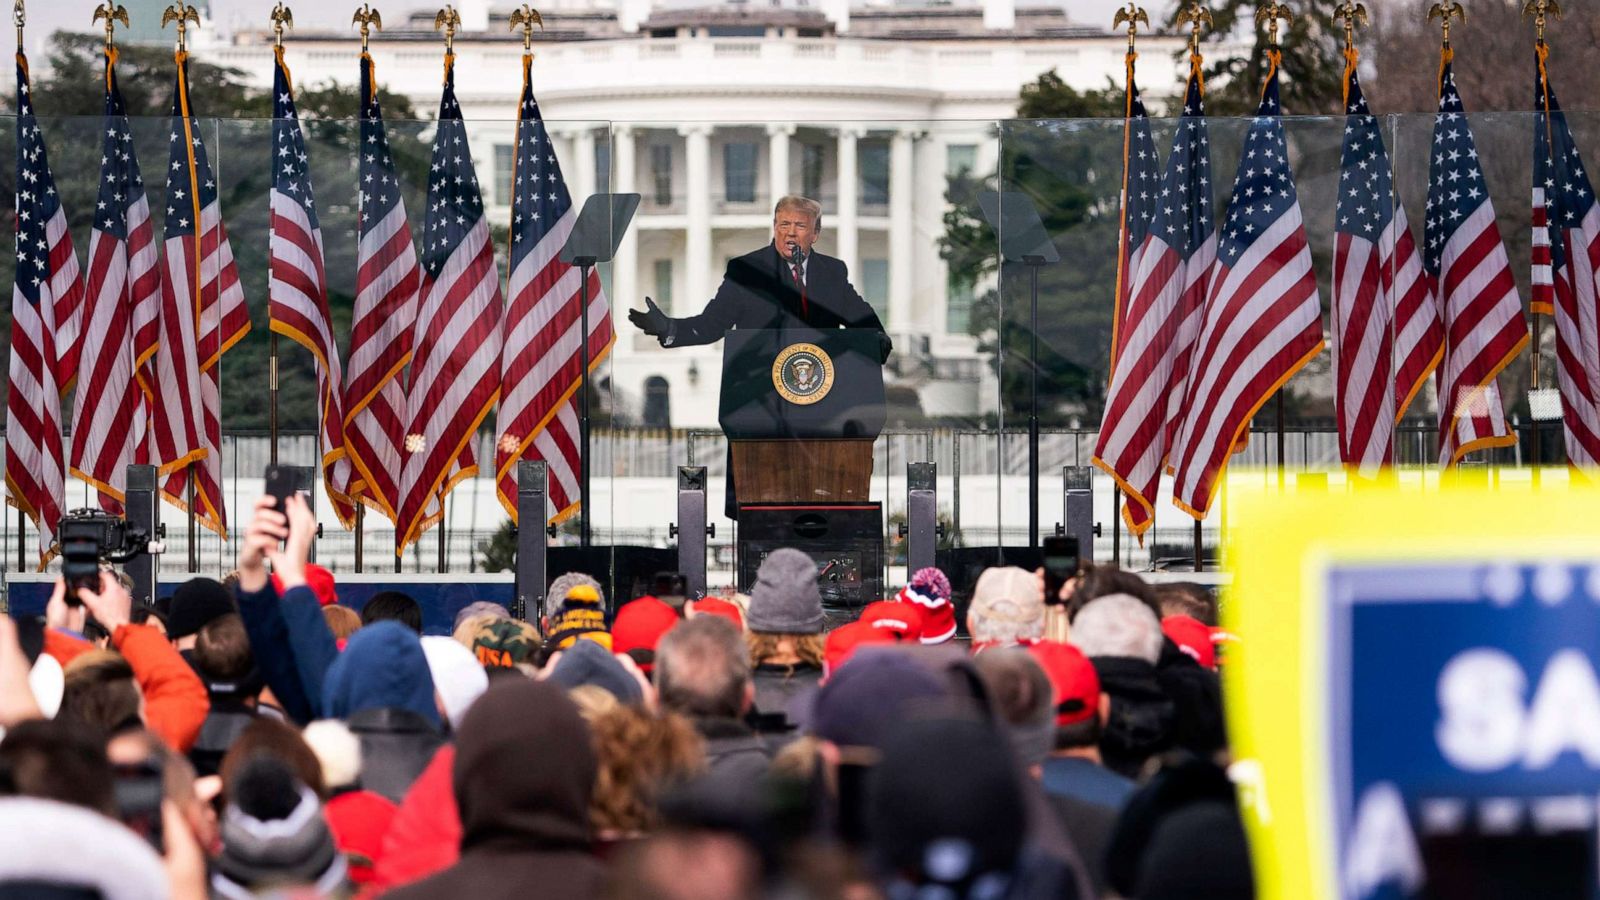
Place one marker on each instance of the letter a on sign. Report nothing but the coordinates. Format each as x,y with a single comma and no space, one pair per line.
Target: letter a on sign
1382,848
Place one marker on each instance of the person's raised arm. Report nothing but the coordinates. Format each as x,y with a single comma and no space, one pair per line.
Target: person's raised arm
263,615
858,313
175,699
311,641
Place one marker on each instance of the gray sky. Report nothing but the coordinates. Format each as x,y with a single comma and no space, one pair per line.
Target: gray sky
45,16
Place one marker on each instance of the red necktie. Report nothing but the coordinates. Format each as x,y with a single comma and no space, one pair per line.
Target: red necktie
800,282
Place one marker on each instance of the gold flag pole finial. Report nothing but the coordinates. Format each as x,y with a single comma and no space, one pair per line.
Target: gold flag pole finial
183,14
525,18
1134,16
1541,10
368,19
1197,15
1352,15
448,20
19,15
1445,12
112,13
282,18
1270,14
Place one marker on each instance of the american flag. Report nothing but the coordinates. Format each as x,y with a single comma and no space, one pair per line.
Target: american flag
202,314
1467,269
386,308
1382,310
45,295
455,372
111,410
1167,288
298,287
1141,166
1262,319
1566,228
540,364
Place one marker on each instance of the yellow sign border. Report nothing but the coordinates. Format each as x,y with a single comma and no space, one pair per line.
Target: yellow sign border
1280,549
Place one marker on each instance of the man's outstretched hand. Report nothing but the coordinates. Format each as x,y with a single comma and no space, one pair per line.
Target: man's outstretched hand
651,320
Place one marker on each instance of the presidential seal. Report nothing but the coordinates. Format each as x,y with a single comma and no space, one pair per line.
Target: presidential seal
803,373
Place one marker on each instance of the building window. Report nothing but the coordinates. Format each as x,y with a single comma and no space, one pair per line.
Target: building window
811,170
661,173
874,173
602,167
958,306
504,155
875,286
739,172
657,403
663,295
959,159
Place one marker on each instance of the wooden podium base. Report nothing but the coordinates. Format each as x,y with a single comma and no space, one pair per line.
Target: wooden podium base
802,471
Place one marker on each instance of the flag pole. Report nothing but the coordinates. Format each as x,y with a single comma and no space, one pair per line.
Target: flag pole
280,17
1132,15
1270,14
367,18
444,522
1539,10
20,16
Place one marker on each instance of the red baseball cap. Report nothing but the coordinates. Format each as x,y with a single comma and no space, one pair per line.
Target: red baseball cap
1076,683
902,619
638,628
1193,637
846,639
716,606
318,579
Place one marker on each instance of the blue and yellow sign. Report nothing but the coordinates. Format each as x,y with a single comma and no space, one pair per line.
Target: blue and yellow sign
1413,704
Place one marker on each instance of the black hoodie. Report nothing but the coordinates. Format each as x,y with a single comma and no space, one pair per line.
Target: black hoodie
524,773
1143,718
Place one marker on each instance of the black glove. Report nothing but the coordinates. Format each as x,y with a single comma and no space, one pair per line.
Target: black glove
651,321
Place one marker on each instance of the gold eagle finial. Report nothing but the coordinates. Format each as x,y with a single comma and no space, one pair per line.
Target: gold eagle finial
1134,17
1351,14
448,20
183,14
1197,15
112,13
1541,10
1270,14
525,18
368,19
1445,12
281,18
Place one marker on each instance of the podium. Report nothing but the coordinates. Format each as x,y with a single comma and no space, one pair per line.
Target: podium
801,409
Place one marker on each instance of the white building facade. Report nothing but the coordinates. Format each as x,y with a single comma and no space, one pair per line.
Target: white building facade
711,114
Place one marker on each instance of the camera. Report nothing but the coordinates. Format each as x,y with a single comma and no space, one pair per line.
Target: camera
89,537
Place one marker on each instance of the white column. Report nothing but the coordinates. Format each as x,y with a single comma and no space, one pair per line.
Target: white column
902,244
583,176
838,12
625,271
844,220
697,256
778,137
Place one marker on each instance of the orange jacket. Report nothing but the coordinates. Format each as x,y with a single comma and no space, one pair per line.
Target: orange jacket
63,646
175,699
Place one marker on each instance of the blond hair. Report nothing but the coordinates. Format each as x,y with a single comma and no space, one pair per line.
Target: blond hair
805,204
766,645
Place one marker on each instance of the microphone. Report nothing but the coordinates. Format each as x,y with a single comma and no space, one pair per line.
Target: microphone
797,255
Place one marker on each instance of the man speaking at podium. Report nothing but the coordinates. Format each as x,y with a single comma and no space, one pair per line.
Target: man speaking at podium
782,285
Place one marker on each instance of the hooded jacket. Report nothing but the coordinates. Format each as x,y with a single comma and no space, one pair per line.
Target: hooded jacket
524,773
381,688
1143,718
424,837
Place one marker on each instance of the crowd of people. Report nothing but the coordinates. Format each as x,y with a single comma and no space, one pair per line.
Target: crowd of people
256,737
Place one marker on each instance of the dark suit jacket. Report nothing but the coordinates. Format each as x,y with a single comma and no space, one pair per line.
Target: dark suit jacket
758,291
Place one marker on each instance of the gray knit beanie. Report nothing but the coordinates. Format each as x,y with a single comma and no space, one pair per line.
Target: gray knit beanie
785,599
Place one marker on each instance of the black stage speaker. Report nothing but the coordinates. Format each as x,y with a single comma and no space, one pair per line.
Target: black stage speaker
845,539
963,565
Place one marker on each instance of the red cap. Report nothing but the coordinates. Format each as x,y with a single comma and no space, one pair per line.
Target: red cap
1076,683
899,618
716,606
640,625
1193,637
846,639
318,579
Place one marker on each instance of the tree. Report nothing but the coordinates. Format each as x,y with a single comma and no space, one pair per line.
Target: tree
1068,165
1313,59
